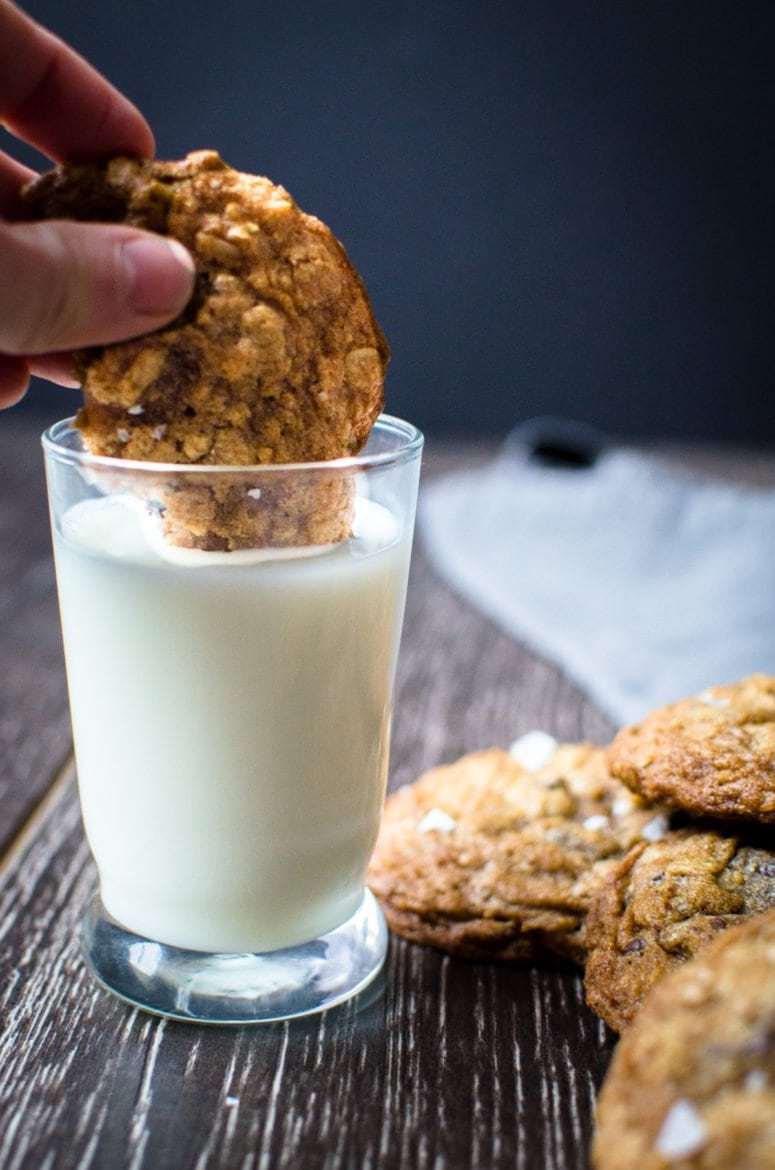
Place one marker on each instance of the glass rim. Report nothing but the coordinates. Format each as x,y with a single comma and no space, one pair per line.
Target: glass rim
413,440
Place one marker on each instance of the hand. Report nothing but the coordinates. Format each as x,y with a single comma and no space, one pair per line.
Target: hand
64,285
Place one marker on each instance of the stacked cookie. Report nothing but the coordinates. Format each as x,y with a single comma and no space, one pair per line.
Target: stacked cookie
630,860
712,758
692,1082
627,859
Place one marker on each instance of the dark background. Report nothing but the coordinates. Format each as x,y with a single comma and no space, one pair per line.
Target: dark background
558,208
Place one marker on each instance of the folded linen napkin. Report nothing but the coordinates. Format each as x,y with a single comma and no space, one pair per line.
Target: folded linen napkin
644,583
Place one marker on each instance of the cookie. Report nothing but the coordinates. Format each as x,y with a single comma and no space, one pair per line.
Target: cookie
662,904
490,858
692,1083
277,358
712,755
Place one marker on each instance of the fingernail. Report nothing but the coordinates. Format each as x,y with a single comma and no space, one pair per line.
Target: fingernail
159,275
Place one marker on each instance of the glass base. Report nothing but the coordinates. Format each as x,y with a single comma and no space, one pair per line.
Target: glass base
236,989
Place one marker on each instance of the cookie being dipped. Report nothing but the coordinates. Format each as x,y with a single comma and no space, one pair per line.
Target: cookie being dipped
277,359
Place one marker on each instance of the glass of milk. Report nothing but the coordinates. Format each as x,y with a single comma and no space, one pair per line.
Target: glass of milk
231,717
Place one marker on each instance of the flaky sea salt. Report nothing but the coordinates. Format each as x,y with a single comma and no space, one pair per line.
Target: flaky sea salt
136,409
713,700
254,493
159,432
622,806
436,821
655,828
122,434
596,822
683,1131
533,750
756,1081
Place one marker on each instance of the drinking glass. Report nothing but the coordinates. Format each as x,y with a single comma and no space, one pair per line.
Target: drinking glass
231,636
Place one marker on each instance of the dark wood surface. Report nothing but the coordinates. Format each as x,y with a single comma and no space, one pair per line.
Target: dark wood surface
443,1065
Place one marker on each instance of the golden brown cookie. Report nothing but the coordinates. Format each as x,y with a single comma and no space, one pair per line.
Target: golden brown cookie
713,754
277,358
486,858
662,904
692,1083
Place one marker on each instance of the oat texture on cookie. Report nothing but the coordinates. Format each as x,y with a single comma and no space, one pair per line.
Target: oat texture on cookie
692,1082
489,858
663,903
712,754
277,358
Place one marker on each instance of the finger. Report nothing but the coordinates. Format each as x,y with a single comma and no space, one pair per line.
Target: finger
15,374
13,176
14,379
66,285
55,367
55,100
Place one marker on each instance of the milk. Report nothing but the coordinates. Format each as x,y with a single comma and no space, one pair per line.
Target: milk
231,716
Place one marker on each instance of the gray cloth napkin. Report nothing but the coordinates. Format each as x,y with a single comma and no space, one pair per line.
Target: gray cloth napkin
643,583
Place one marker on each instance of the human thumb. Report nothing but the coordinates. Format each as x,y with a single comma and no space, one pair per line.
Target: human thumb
65,285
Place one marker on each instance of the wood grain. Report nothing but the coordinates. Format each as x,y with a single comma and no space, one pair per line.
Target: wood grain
34,719
444,1065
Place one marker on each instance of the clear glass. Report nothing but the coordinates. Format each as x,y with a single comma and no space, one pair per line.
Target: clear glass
231,636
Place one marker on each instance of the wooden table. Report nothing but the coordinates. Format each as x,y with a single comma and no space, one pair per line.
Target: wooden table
445,1065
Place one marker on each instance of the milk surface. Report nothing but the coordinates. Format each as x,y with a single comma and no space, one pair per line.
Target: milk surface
231,717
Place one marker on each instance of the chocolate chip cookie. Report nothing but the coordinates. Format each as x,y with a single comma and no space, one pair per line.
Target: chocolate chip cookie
712,755
662,904
488,858
277,358
692,1082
